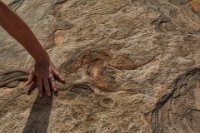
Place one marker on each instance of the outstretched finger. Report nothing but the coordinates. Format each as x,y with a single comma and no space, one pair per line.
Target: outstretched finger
47,87
39,85
31,88
58,76
30,79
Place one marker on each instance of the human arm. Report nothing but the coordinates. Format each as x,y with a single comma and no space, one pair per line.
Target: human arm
44,68
21,32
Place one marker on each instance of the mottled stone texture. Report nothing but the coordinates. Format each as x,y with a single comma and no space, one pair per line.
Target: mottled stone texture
131,66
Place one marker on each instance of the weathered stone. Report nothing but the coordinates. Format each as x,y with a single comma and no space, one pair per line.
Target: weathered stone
129,67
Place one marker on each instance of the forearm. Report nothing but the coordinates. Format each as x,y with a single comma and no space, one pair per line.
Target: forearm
21,32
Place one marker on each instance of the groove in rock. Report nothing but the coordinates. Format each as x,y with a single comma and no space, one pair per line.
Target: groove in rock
7,78
172,113
16,4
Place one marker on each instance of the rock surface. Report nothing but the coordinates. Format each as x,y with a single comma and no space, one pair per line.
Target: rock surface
131,66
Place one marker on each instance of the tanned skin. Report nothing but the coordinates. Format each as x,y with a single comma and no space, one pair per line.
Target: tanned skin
44,72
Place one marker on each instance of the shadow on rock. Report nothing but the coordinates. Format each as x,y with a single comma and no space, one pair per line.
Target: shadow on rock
38,119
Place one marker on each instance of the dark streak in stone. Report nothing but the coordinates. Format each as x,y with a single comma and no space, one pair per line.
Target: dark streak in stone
159,21
16,4
184,85
60,1
8,77
83,89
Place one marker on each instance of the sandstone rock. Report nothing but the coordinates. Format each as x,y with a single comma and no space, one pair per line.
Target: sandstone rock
131,66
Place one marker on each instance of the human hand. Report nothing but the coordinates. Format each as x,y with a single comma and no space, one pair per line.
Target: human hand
43,77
